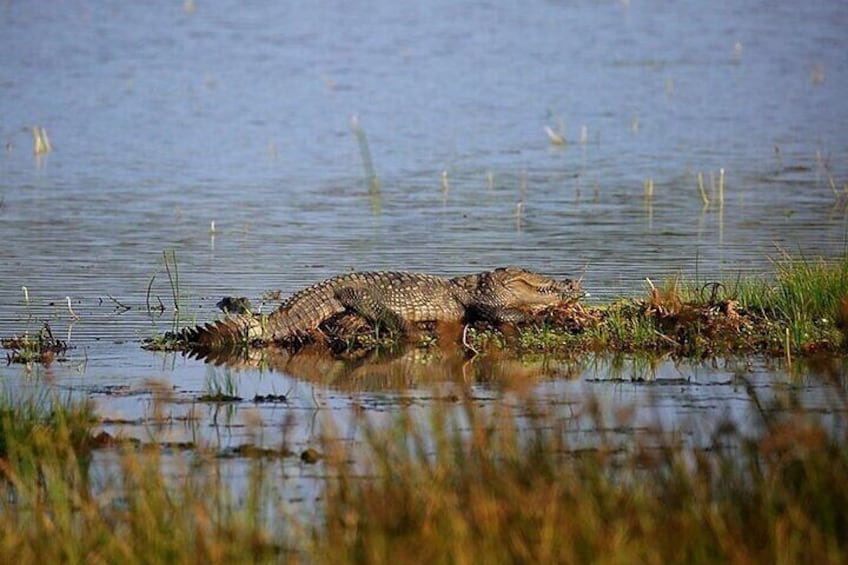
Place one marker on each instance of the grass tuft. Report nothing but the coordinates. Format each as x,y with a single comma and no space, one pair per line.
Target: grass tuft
42,347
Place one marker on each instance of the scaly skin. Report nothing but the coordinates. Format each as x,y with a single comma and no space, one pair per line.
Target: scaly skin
395,300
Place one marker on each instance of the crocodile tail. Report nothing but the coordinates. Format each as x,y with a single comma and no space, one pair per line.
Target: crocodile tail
229,333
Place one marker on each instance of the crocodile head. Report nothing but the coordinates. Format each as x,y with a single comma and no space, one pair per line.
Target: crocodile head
520,288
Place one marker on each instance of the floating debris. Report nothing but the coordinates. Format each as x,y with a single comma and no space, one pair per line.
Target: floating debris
235,305
310,455
254,452
270,399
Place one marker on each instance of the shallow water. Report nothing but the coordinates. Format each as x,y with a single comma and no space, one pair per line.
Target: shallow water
164,120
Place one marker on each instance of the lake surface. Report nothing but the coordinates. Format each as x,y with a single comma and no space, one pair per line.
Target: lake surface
166,118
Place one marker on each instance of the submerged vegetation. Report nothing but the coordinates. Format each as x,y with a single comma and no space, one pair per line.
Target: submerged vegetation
469,485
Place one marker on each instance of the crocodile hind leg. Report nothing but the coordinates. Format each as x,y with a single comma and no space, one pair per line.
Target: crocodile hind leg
367,304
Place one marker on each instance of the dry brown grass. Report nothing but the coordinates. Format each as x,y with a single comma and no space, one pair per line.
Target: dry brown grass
496,494
469,485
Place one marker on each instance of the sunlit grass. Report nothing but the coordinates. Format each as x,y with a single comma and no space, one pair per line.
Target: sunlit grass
55,509
494,493
807,297
802,308
468,485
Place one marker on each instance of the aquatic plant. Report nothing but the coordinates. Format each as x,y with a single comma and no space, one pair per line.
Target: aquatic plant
704,198
40,142
555,137
170,260
371,179
220,386
40,347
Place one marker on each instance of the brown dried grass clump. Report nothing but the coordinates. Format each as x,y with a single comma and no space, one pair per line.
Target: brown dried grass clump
572,317
705,326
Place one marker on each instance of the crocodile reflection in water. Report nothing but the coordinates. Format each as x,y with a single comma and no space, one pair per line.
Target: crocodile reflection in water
400,367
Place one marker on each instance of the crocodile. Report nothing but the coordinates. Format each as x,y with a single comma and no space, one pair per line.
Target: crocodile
396,300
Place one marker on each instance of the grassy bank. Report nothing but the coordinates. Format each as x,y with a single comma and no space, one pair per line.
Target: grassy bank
468,486
801,309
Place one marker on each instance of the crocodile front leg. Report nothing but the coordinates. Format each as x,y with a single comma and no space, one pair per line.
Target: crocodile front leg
500,315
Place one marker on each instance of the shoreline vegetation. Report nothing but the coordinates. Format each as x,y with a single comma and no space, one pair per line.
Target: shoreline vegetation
802,309
469,484
472,483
